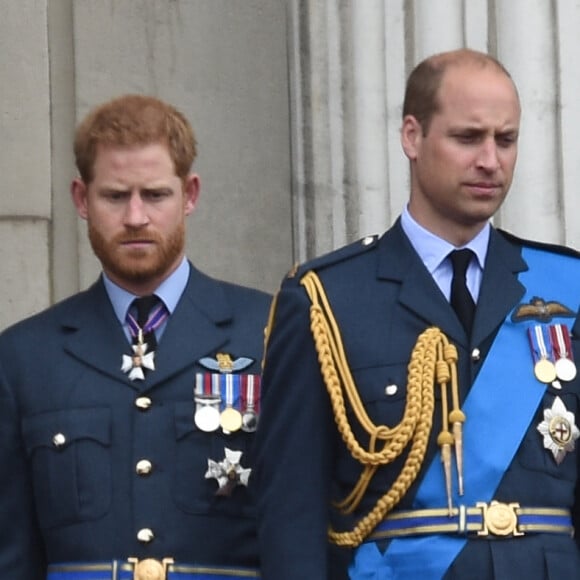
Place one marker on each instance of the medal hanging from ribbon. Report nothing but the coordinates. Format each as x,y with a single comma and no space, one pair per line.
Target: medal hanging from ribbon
143,356
232,400
541,346
230,418
562,347
207,398
227,400
250,402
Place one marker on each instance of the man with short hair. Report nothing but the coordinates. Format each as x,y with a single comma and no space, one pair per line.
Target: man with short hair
127,410
420,401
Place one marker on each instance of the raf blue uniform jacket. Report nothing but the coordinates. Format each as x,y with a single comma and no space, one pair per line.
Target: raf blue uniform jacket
383,298
60,373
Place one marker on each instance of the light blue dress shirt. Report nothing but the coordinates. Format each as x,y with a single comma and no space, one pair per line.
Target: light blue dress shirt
434,252
169,292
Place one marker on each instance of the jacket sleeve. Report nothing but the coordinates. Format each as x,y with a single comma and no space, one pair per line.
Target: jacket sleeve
292,475
21,551
576,505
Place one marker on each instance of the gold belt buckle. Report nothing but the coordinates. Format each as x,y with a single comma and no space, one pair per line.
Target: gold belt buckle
150,569
499,519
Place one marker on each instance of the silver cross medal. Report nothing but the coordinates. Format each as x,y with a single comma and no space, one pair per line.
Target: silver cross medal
141,359
228,473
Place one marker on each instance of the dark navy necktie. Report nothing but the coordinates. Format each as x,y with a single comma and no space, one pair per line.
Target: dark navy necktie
151,313
461,299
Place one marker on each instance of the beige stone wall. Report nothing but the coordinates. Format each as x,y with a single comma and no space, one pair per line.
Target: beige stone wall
296,105
222,62
349,63
25,169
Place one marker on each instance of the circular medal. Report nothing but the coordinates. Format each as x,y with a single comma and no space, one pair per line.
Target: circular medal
565,369
545,371
560,431
230,419
249,421
207,418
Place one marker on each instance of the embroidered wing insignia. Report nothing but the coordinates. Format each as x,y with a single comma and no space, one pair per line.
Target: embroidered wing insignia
541,310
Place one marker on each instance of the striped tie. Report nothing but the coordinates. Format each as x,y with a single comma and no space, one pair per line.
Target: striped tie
151,313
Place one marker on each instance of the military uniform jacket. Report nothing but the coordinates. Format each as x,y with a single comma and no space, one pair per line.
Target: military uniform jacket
73,428
383,298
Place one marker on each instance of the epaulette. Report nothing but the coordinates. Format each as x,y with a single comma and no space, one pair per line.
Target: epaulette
556,248
334,257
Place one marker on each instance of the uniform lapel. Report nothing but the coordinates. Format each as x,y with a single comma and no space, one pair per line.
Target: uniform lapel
500,289
419,293
197,328
93,333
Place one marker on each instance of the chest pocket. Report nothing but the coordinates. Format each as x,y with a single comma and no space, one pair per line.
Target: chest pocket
70,458
192,492
383,391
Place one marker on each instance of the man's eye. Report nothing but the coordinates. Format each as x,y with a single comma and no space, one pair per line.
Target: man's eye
506,141
155,195
466,138
115,195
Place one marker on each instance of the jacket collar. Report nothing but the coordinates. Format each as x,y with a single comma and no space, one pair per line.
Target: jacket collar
95,337
398,262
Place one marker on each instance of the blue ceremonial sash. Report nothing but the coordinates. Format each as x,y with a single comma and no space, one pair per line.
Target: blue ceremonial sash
504,396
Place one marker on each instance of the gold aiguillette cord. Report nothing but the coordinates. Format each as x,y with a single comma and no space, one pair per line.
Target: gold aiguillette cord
447,373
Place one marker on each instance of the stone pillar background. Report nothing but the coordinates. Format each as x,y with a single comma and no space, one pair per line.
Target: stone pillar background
296,105
222,62
349,64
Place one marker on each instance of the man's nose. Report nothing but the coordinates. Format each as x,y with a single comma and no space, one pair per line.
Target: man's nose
136,211
488,157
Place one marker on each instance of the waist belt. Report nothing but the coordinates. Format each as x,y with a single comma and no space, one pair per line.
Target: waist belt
493,520
147,569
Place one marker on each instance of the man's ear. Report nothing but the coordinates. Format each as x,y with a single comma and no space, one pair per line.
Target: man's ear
78,190
411,136
191,191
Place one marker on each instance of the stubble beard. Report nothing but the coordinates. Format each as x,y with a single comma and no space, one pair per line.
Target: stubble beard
138,266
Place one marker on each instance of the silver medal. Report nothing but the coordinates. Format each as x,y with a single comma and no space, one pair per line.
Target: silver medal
207,418
565,369
249,421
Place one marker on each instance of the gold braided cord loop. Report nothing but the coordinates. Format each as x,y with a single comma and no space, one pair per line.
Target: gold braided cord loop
336,372
386,443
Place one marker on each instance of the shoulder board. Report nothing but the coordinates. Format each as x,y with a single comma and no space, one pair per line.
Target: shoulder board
334,257
556,248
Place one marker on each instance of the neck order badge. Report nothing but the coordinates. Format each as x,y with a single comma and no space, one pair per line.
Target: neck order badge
151,313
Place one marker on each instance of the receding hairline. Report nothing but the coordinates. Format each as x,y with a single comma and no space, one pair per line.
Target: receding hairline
465,56
424,83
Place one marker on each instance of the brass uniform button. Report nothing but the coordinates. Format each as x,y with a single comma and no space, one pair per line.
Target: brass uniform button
59,440
143,403
144,467
145,535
